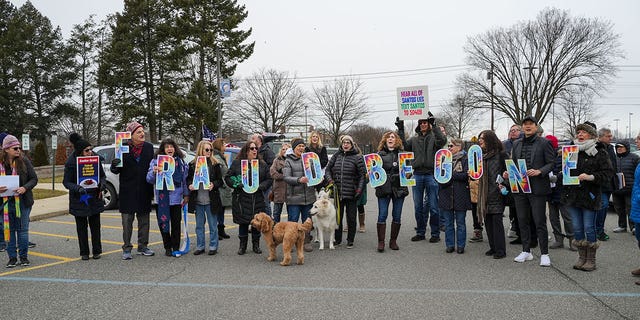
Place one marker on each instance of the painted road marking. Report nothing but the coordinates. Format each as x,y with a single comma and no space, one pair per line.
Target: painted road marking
70,237
101,226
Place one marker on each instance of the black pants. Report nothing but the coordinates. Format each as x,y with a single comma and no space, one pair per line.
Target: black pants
530,206
477,225
348,208
495,233
171,239
513,216
622,204
93,222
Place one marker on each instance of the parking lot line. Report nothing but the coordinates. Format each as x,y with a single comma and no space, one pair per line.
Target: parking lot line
49,256
69,237
101,226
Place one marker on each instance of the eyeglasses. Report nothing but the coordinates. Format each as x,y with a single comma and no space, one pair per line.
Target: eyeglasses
207,150
452,145
88,150
15,148
253,148
514,130
422,122
346,142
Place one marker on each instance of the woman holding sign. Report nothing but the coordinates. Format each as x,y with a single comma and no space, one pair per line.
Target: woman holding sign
168,172
391,191
204,199
300,196
582,191
249,177
85,198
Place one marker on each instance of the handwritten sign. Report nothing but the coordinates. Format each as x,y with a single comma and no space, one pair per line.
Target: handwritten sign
406,171
312,168
569,161
250,185
88,171
120,148
475,162
167,165
201,174
413,102
443,170
377,175
518,176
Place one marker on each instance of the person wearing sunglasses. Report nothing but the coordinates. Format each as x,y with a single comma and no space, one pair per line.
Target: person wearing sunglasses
18,207
245,205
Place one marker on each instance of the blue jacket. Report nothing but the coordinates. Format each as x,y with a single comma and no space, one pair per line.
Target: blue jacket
175,196
635,198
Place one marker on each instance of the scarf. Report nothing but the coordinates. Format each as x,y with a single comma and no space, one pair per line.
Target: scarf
5,206
164,198
136,150
588,146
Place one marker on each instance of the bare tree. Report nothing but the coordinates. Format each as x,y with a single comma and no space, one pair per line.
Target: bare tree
269,100
341,103
367,137
534,62
460,115
577,107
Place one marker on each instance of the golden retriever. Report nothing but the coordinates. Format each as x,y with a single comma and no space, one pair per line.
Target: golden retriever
288,233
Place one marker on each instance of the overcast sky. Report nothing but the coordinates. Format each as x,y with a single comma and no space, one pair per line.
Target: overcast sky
333,38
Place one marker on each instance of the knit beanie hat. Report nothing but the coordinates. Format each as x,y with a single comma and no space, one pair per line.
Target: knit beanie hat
10,141
588,128
295,142
553,140
79,144
133,126
346,137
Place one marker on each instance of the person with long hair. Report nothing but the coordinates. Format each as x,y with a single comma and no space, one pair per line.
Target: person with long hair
170,202
490,197
245,205
279,190
219,148
84,204
391,191
17,208
314,144
205,202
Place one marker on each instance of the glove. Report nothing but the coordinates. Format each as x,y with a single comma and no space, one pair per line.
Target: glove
399,124
431,119
115,162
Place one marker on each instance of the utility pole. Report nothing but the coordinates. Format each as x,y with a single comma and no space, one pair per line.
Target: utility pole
490,77
630,114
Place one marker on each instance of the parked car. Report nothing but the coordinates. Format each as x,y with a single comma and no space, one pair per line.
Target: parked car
112,187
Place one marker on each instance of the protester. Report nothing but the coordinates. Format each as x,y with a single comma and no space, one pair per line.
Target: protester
315,145
424,145
593,170
170,202
347,171
635,207
605,137
225,191
85,204
279,189
17,208
555,205
454,199
135,193
626,164
3,243
246,205
205,202
391,191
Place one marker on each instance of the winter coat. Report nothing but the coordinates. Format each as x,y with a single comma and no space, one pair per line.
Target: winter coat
135,193
322,154
609,188
245,205
265,154
490,195
454,195
77,208
225,191
424,147
215,177
297,193
542,157
347,171
588,194
279,189
635,198
390,164
27,180
556,191
627,163
181,189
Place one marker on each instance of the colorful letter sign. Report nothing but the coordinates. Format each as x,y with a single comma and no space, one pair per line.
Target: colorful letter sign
518,176
120,148
312,168
250,185
569,161
413,102
377,175
167,165
406,171
443,169
88,171
201,174
475,161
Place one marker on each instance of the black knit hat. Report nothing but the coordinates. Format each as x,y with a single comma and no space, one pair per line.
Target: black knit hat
79,144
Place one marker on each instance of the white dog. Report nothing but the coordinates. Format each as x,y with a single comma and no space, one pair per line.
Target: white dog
323,214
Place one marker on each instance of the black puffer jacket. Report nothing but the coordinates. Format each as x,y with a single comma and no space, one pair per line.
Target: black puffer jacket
391,188
587,194
455,195
76,207
215,177
245,205
627,163
347,171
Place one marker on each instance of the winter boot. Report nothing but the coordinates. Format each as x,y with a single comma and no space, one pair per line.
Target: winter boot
590,263
221,233
308,247
361,221
395,229
559,243
243,244
256,244
382,231
572,246
582,253
477,236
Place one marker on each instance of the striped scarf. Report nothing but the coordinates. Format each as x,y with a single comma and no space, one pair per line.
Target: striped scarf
5,206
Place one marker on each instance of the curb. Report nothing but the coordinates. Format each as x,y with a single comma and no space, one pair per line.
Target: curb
48,215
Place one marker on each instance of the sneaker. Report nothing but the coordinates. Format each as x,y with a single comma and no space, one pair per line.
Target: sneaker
545,261
434,239
12,263
349,245
85,257
212,252
603,237
523,256
512,234
198,252
146,252
96,256
32,245
619,230
126,255
418,237
477,236
24,262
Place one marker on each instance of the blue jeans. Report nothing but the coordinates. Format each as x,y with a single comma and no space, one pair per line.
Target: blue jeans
277,211
203,212
583,223
601,214
383,209
294,211
426,183
19,229
457,233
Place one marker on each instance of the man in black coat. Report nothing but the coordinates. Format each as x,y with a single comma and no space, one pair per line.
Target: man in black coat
606,137
540,158
135,193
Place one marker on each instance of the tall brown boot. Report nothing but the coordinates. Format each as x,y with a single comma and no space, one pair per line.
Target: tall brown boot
590,263
382,230
582,253
308,247
361,221
395,229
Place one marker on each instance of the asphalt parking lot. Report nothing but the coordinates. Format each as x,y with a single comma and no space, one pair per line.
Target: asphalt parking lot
418,281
